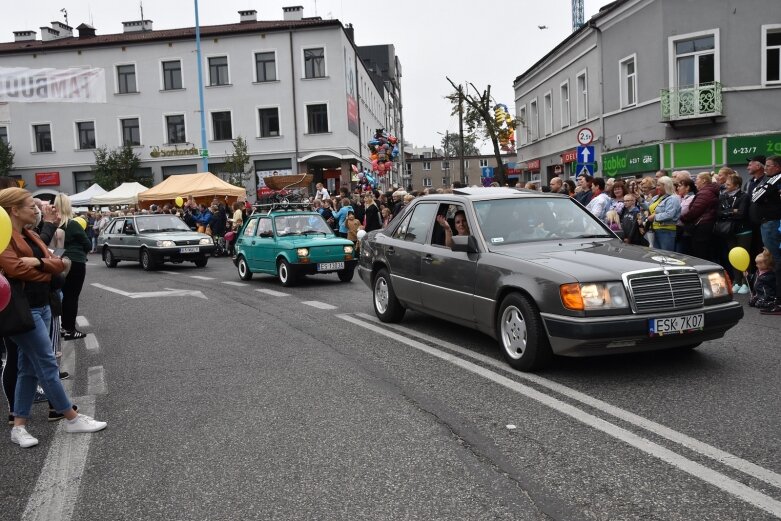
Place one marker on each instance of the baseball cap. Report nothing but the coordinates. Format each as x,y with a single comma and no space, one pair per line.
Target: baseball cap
760,159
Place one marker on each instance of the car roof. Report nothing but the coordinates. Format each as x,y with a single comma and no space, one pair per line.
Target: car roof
478,193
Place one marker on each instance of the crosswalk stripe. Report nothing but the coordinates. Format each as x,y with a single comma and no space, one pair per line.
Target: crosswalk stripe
317,304
273,293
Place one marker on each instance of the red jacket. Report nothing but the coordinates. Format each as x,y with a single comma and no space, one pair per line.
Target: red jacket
704,207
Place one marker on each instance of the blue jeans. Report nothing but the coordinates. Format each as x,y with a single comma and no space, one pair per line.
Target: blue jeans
771,238
38,365
664,240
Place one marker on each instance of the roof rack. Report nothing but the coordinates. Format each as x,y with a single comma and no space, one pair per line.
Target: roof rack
281,206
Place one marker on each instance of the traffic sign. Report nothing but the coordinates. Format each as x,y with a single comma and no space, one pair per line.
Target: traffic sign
585,136
204,152
584,169
585,155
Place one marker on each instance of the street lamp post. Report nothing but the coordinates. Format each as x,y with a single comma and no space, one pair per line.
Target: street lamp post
447,157
204,150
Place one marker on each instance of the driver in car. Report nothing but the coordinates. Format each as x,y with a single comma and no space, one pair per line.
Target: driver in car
462,227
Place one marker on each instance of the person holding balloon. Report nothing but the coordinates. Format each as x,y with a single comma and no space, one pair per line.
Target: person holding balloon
77,246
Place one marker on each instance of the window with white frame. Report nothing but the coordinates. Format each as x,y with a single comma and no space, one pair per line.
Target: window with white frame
548,104
694,60
218,71
317,118
43,137
265,66
523,127
222,128
126,79
426,165
427,182
627,69
582,86
771,54
483,163
564,101
85,133
175,130
268,122
314,63
4,135
172,75
445,165
131,131
466,163
408,168
534,121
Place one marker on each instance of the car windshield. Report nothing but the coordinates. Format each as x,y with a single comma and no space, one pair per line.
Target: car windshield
161,223
308,224
517,220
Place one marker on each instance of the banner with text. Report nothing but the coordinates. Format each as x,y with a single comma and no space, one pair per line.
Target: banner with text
23,85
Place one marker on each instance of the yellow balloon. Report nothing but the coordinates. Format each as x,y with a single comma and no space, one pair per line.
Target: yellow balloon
81,222
5,229
179,201
739,258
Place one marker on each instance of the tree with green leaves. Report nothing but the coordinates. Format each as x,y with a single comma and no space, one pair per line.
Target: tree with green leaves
115,166
6,158
479,118
452,145
236,163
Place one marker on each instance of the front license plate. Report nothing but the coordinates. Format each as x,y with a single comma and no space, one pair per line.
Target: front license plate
676,325
330,266
189,250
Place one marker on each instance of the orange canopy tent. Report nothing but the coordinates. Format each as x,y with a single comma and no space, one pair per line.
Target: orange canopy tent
204,187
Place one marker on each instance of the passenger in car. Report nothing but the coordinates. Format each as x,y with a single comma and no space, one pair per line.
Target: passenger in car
461,225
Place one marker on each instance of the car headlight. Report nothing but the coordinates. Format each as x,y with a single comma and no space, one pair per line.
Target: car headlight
593,296
205,241
302,252
166,244
715,284
348,250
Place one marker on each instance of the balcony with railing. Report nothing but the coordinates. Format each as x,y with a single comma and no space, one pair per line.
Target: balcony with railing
692,102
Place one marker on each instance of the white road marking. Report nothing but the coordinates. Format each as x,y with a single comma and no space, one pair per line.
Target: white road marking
233,283
201,277
91,343
113,290
96,380
318,304
273,293
55,493
68,364
717,479
169,272
169,292
721,456
82,321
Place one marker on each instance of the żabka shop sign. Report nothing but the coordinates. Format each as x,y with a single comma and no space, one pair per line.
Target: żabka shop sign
23,85
631,161
739,149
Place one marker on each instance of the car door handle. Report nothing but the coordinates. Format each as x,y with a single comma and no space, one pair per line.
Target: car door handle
428,259
391,250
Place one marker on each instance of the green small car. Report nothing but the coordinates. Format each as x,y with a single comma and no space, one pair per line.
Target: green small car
290,244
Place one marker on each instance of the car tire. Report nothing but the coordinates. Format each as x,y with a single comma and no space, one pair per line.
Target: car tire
201,262
243,267
285,274
109,258
524,343
346,275
147,260
386,306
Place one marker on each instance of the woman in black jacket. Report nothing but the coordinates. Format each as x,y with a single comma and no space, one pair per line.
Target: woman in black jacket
373,220
732,228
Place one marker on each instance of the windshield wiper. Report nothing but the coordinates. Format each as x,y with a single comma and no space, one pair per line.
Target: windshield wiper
594,236
306,232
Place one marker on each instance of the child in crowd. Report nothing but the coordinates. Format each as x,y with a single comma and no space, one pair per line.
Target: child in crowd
353,225
612,220
762,282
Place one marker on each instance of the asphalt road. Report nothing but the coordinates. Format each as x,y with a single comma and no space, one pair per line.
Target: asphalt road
256,401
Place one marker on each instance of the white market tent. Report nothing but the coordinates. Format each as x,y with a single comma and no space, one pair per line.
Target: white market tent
84,198
126,193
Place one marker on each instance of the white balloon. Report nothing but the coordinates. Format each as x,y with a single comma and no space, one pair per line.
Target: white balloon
361,234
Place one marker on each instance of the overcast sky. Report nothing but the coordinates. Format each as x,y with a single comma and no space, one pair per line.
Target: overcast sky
486,42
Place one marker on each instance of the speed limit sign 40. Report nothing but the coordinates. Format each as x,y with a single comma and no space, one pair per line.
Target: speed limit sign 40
585,136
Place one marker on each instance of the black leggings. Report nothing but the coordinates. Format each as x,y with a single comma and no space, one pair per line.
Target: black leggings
70,294
9,372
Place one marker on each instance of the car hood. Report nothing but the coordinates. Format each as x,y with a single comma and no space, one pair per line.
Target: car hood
311,241
598,259
173,236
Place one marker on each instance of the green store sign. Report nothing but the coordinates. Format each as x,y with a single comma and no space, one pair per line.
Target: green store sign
739,149
631,161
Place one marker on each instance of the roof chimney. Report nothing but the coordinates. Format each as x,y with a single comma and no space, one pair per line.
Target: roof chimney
86,31
350,32
136,26
48,34
66,31
24,36
295,12
248,16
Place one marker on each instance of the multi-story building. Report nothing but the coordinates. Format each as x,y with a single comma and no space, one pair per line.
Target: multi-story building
661,83
430,168
296,89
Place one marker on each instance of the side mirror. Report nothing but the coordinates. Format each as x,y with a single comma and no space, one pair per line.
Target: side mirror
465,243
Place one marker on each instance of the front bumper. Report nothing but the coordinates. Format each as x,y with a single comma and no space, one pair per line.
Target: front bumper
311,268
590,336
175,254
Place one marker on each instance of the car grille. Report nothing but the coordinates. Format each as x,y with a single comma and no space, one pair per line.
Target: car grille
660,292
187,242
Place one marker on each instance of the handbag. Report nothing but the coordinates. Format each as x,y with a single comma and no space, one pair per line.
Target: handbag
16,318
725,227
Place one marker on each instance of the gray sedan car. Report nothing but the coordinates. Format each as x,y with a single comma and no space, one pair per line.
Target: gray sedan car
151,240
543,276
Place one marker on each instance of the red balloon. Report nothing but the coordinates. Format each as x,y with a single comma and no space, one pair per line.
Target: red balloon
5,292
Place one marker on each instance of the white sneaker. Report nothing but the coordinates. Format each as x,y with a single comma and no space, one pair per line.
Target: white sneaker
83,423
24,439
735,288
743,290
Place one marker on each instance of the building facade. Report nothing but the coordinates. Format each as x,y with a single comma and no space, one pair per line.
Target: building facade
429,168
660,84
295,89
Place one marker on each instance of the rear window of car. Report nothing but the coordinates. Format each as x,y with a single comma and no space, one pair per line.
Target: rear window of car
249,230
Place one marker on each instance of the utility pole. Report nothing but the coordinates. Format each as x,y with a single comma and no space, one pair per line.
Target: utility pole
461,166
204,144
447,157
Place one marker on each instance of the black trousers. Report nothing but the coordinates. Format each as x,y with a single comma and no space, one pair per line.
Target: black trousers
70,294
